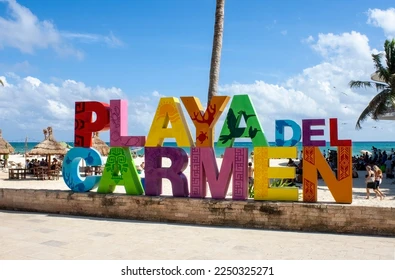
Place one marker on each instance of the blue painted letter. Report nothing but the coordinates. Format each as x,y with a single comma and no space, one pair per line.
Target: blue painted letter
297,133
71,172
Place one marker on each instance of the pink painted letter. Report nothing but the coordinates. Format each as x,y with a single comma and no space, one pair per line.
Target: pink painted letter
119,126
204,165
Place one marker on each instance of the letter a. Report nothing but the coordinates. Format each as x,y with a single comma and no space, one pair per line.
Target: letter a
241,106
169,111
120,170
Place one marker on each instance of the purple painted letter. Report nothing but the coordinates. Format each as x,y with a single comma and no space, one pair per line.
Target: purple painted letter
204,165
308,132
154,172
119,126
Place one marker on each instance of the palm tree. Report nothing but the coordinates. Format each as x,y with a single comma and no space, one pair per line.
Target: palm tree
384,101
217,48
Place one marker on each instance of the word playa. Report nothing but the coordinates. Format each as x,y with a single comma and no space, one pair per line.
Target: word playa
120,169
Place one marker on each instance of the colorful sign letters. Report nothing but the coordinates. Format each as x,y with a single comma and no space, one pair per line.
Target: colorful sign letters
205,175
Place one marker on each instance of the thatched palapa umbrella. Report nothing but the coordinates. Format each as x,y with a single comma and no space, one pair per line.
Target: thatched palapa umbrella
5,147
100,145
49,146
65,145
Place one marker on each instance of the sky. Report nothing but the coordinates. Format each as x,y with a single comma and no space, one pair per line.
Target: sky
293,58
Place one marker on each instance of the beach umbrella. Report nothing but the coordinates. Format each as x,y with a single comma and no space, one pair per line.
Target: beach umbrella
65,145
100,145
5,147
49,146
365,151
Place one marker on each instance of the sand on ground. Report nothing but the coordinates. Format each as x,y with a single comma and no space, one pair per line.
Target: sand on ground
324,195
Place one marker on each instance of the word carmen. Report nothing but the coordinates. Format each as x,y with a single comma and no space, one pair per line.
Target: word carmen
169,122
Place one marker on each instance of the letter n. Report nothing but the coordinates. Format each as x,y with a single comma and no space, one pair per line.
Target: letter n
340,187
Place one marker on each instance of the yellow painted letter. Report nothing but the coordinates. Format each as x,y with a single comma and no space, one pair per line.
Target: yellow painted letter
169,111
263,173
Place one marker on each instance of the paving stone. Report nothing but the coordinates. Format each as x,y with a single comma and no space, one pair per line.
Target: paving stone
54,243
36,221
102,234
45,230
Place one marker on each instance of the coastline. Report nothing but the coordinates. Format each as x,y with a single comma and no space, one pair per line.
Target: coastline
357,147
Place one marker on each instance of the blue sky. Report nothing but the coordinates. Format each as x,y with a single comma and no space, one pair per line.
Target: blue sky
294,58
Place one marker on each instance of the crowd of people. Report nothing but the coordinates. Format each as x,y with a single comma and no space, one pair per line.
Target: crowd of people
31,164
386,162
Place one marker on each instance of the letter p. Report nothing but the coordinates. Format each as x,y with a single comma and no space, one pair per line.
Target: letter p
84,125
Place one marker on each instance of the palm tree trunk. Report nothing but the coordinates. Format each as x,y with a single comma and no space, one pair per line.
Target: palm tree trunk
217,48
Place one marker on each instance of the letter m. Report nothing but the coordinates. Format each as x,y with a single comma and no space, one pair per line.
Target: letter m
204,169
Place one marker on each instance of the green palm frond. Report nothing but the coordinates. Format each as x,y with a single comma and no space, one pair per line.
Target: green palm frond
382,97
381,109
360,84
366,84
389,48
378,106
384,101
392,81
364,115
381,71
380,86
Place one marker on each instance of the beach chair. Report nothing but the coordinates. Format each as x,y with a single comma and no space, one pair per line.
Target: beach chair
55,173
98,170
41,173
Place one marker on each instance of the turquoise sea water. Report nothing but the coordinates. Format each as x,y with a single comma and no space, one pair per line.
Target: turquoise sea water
356,148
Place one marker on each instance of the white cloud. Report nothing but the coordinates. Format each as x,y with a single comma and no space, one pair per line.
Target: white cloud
284,32
157,94
384,19
30,104
320,91
110,40
34,82
59,110
347,45
308,40
26,32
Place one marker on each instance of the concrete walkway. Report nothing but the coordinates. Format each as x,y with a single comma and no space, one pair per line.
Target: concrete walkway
43,236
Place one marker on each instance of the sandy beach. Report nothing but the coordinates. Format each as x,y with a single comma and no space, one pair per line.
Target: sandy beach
324,195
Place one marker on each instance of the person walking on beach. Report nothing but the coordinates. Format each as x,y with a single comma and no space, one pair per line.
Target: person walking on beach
378,174
250,180
250,174
388,167
369,180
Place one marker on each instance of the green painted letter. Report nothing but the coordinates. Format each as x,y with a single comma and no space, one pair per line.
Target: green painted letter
241,106
120,170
